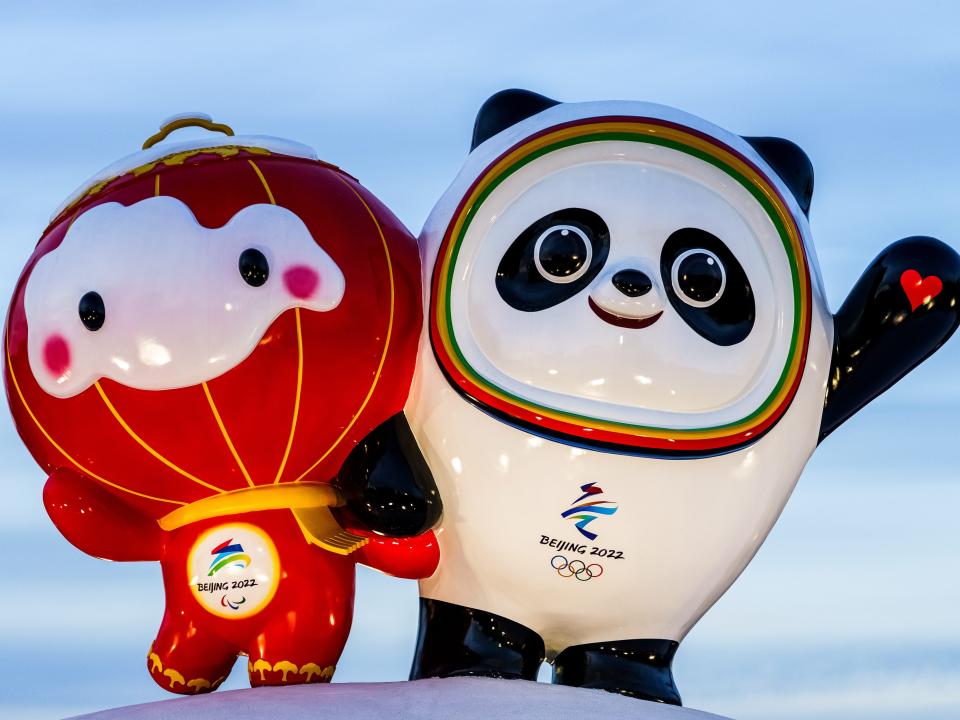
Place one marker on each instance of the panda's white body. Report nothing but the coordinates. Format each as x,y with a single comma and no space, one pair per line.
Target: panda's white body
683,528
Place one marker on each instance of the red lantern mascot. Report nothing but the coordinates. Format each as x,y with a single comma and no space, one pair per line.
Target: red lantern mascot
208,352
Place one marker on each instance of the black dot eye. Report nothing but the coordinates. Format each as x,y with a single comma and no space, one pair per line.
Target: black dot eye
254,268
92,312
698,277
562,253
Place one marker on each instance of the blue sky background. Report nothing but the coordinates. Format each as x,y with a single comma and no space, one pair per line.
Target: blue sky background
850,609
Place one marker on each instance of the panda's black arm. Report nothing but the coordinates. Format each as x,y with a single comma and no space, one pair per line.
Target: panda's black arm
387,484
904,306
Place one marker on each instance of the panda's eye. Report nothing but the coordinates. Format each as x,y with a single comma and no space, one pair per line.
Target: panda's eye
254,268
91,310
698,277
562,253
555,258
707,286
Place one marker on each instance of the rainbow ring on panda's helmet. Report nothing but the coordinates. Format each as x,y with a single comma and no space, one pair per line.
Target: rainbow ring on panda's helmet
596,432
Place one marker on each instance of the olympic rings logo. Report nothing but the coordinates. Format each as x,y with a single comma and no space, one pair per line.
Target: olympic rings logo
575,568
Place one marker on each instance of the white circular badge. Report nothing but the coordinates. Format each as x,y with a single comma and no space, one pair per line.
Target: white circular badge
233,570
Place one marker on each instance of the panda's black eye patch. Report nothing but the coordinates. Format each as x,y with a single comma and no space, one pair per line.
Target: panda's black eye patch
553,259
707,286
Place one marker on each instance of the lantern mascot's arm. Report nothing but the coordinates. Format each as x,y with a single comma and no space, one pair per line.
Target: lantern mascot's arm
903,307
386,483
97,522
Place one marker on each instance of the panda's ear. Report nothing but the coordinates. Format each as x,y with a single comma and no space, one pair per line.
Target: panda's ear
506,108
790,163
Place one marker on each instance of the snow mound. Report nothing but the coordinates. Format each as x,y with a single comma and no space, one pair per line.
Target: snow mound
460,698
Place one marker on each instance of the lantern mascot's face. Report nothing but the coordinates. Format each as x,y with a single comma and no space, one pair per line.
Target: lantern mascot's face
208,353
629,361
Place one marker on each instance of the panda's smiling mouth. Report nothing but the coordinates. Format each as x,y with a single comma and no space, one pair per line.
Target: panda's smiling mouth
621,321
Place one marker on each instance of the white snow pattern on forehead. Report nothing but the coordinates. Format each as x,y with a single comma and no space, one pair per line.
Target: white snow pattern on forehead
177,310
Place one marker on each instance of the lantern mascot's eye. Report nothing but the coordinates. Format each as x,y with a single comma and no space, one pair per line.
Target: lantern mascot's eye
629,342
208,353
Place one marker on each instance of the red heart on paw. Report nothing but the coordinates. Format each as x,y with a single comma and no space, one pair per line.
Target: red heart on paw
920,290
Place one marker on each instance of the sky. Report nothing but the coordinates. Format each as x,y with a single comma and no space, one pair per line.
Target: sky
849,609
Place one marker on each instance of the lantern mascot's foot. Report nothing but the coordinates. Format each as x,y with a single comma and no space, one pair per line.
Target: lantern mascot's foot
262,672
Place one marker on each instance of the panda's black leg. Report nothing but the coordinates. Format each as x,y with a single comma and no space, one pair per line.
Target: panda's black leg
455,641
637,668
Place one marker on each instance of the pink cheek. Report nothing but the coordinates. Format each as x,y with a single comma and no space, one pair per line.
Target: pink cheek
56,355
301,281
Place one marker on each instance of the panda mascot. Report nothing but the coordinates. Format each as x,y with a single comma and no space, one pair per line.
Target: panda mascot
629,359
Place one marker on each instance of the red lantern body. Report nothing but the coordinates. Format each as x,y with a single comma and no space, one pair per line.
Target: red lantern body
142,469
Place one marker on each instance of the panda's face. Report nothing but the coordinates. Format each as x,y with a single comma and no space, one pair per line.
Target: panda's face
628,282
145,295
566,252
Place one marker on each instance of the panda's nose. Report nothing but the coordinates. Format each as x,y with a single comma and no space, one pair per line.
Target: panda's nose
626,296
632,283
